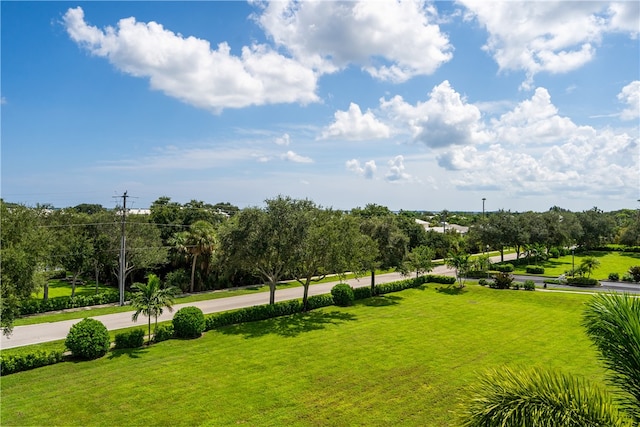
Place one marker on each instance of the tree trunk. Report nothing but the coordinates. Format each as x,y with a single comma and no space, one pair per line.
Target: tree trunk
373,282
501,253
149,337
305,296
272,292
46,291
193,273
73,285
97,277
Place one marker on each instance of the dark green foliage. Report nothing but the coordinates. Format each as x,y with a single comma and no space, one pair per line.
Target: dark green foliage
400,285
613,323
535,269
319,301
130,339
582,281
435,278
635,273
88,339
188,322
503,267
614,277
483,282
361,293
34,306
342,294
554,253
23,362
502,281
178,279
515,285
262,312
163,333
529,285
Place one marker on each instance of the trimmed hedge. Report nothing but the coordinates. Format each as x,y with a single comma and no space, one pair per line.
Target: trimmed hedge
582,281
88,339
260,312
131,339
529,285
23,362
477,274
34,306
534,269
188,322
163,333
503,268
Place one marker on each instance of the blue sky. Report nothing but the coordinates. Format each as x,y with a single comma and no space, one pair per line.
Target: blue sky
411,105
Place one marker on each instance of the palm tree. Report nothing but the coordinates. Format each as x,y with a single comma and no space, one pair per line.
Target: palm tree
589,264
551,398
460,262
151,299
199,242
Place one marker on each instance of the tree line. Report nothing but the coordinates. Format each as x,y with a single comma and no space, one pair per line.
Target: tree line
198,246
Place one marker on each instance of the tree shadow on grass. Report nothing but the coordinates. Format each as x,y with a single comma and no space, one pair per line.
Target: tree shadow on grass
289,326
133,353
380,301
451,290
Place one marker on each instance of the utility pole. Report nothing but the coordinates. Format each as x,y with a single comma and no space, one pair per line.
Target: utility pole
483,199
123,254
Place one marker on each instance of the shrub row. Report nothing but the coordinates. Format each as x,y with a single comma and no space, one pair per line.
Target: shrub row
23,362
534,269
617,248
62,303
131,339
163,333
582,281
254,313
503,267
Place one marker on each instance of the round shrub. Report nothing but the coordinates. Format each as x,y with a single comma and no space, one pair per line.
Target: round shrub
534,269
342,295
529,285
614,277
88,339
188,322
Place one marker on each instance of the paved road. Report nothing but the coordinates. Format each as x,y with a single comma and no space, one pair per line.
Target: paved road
44,332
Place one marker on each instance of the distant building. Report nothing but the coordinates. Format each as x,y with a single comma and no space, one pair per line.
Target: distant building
440,228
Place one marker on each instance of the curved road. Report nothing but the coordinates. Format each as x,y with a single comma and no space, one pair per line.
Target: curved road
44,332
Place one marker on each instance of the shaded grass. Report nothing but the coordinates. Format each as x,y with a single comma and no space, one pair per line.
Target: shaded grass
405,358
62,288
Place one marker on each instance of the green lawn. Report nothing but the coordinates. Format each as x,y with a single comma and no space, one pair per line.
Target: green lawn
610,262
62,288
402,359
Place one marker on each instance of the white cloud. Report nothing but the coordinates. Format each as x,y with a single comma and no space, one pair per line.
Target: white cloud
355,126
396,173
444,119
3,100
283,140
630,95
188,69
290,156
536,121
367,171
328,35
554,37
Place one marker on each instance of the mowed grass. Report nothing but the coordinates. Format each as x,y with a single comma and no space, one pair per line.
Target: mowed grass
62,288
402,359
610,262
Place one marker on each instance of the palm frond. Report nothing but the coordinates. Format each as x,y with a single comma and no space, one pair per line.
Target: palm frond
612,322
539,398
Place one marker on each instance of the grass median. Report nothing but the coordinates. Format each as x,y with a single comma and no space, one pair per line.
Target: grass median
404,358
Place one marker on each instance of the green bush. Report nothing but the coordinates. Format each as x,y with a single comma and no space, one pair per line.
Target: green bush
626,277
483,282
88,339
436,278
319,301
362,293
130,339
554,253
179,279
503,267
23,362
188,322
635,273
163,333
534,269
529,285
342,295
582,281
502,281
34,306
516,285
614,277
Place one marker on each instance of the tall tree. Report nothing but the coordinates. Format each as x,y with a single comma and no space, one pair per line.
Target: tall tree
418,260
200,243
459,261
264,241
151,299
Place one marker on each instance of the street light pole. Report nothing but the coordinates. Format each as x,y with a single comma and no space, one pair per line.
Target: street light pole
483,199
